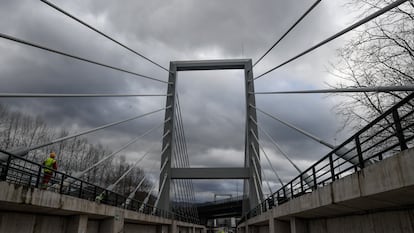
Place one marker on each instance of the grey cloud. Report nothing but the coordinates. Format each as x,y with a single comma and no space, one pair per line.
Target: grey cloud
212,102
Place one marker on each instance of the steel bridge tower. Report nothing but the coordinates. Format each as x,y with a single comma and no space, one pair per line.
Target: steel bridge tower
250,173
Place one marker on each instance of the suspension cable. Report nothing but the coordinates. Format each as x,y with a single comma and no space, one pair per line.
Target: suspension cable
341,152
111,187
255,165
132,194
102,34
15,39
141,209
187,161
165,175
256,176
267,158
178,162
130,169
344,31
181,187
158,196
345,90
276,145
287,32
155,184
25,151
79,174
295,128
267,181
175,164
49,95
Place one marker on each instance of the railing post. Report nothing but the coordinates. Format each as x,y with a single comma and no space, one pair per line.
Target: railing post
6,169
315,183
277,198
61,183
39,174
269,201
30,179
359,152
399,131
94,191
301,184
80,189
139,206
106,197
331,167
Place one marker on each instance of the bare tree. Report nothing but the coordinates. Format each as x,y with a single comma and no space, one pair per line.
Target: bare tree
381,54
77,154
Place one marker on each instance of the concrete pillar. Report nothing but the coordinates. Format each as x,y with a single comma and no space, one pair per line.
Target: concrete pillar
298,225
77,224
173,228
271,225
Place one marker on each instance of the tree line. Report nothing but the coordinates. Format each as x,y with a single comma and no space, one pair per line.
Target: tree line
20,130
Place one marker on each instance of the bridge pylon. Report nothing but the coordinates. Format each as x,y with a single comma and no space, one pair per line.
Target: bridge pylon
250,173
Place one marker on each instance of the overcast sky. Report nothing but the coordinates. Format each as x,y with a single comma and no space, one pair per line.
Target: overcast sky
212,103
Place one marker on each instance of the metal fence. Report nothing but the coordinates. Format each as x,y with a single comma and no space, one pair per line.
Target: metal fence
20,171
388,134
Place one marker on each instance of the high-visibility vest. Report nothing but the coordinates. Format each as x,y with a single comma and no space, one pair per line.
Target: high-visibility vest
49,164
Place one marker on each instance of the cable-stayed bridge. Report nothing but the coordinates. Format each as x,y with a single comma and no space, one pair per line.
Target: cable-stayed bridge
308,203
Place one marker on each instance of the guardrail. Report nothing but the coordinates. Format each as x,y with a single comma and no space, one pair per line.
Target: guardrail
392,131
20,171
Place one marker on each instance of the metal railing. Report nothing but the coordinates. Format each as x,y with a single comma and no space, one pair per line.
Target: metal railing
20,171
391,132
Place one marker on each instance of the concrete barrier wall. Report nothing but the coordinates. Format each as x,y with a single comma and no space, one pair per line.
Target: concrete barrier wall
16,222
31,210
379,198
397,221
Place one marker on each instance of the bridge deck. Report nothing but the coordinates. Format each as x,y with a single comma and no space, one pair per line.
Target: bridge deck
36,206
384,187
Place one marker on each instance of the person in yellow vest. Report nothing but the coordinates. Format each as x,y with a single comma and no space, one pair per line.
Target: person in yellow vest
50,163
